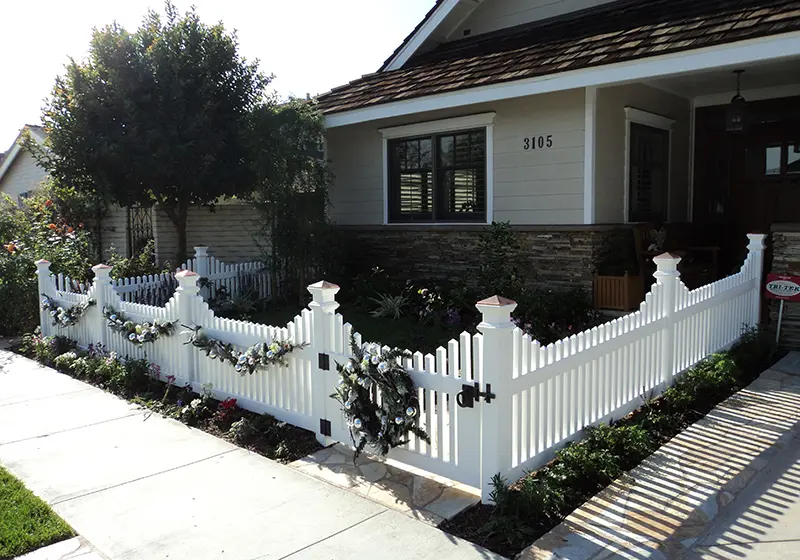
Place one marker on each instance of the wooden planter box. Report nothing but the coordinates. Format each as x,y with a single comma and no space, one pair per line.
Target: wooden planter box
622,293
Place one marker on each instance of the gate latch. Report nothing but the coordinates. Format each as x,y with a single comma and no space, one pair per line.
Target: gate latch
469,394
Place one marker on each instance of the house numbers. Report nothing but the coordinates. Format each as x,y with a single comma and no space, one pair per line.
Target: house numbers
537,142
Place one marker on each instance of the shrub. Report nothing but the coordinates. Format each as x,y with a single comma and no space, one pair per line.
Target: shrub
391,307
132,377
141,264
499,250
549,315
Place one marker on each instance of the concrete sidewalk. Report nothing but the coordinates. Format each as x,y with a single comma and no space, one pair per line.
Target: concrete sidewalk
153,488
726,488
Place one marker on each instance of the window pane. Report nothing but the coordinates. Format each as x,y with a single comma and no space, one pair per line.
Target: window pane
463,154
479,146
446,151
415,193
425,151
773,164
464,190
793,159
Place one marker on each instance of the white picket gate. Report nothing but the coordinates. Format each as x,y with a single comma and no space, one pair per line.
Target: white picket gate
527,400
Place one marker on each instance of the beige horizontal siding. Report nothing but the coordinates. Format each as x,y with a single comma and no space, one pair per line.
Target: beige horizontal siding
24,175
114,232
528,184
491,16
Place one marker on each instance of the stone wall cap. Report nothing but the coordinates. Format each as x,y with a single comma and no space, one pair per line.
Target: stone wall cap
186,274
497,301
323,284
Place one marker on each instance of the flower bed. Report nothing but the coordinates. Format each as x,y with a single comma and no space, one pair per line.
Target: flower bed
139,381
533,505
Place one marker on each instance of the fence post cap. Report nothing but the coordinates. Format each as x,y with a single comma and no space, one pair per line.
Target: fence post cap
201,251
496,312
186,274
101,266
496,301
42,263
757,241
323,285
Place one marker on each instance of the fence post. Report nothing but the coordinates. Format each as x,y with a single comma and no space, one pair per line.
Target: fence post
202,267
322,308
756,249
667,276
184,295
497,368
45,287
102,279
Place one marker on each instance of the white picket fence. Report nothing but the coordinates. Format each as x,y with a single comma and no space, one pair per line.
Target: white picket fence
540,397
241,279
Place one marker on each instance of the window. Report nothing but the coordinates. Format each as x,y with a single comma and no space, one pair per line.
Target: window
774,160
647,163
441,177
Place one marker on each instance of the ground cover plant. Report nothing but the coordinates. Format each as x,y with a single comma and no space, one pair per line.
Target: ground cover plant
26,522
528,508
140,382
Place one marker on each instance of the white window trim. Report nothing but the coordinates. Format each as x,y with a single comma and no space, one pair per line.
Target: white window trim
656,121
481,120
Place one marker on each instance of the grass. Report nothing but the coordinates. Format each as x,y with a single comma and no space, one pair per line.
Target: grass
26,522
405,332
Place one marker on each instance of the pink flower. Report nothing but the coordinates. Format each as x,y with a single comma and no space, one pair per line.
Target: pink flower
170,379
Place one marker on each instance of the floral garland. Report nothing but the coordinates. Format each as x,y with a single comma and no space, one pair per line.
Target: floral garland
136,333
385,425
65,317
261,355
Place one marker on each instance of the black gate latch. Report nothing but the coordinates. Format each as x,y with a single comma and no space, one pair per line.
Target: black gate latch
471,393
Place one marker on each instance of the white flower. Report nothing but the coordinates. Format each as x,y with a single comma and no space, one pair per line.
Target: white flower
375,360
132,336
270,354
195,403
383,366
242,358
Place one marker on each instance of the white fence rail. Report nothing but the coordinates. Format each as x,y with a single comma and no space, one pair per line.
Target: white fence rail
527,400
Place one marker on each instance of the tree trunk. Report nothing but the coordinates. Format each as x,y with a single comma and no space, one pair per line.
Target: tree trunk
177,215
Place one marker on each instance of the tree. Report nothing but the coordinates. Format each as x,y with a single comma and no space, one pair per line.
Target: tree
159,116
292,193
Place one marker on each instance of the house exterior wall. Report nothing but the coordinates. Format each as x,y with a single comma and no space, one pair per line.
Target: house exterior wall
530,187
611,147
227,232
114,232
491,16
24,175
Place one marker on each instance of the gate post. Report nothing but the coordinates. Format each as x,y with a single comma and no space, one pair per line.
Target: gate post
102,279
667,276
756,250
496,371
184,295
322,308
45,280
201,267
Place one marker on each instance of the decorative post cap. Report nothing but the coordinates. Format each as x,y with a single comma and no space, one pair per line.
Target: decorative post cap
186,274
757,241
42,262
496,312
201,251
323,292
667,262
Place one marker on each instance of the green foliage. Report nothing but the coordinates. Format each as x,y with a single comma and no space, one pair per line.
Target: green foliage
499,249
27,523
549,314
534,504
141,264
292,195
161,115
389,306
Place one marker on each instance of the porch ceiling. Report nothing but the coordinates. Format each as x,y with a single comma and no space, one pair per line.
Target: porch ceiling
768,75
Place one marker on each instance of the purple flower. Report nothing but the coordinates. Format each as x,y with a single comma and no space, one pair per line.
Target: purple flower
180,402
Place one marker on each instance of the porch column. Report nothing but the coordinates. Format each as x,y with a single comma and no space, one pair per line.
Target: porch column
589,146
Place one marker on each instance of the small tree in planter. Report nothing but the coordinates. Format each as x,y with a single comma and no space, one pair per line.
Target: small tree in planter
617,281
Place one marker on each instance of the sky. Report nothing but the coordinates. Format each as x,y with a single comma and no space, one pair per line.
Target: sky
310,46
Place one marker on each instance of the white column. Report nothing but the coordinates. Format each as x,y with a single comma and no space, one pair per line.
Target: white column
102,281
756,252
45,289
497,368
323,307
202,267
667,276
589,155
185,297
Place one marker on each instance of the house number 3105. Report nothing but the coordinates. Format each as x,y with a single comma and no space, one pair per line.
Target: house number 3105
538,142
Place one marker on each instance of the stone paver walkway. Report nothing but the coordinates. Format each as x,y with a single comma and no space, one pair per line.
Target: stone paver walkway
142,487
424,497
726,488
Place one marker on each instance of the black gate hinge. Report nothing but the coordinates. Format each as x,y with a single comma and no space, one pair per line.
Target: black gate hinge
325,427
324,362
469,394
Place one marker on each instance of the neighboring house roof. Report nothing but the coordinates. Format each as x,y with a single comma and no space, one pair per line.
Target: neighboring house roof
616,32
38,134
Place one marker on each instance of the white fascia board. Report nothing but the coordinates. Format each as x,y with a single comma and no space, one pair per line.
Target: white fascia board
442,125
12,155
422,35
729,55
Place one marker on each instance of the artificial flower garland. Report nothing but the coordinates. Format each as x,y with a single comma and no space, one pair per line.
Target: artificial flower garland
138,334
65,317
385,425
261,355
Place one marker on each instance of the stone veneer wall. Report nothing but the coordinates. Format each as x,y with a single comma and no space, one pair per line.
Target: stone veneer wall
786,260
552,256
